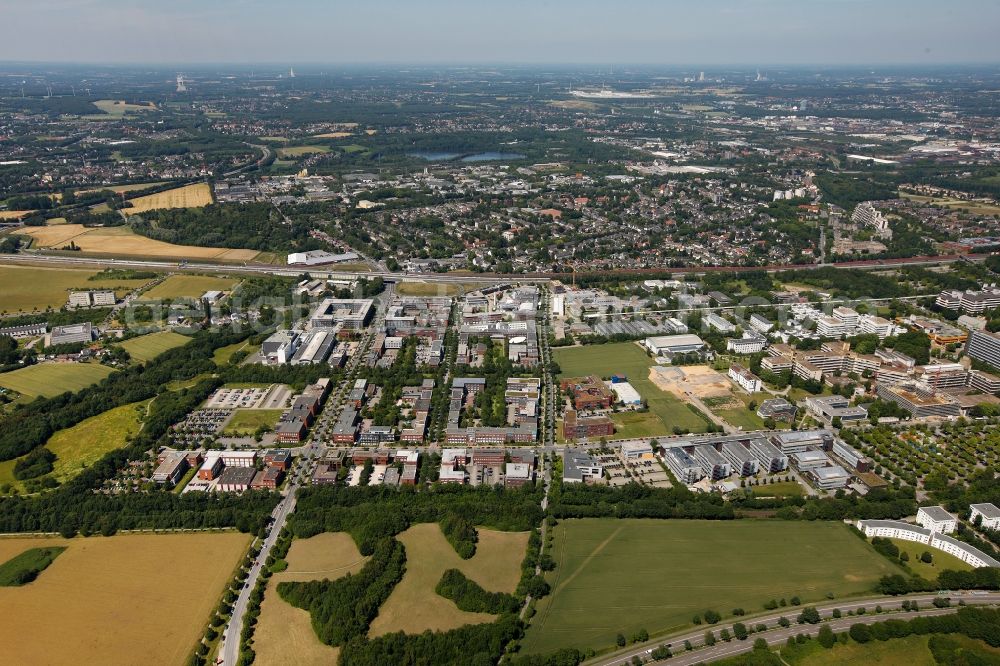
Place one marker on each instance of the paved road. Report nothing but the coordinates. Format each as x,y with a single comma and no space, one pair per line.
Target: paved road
777,634
229,652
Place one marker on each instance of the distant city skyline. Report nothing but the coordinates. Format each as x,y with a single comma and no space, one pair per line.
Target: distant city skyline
670,32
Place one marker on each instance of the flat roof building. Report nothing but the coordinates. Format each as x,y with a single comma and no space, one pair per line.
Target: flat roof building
936,519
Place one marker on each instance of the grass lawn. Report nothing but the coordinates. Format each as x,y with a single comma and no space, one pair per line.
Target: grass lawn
741,418
434,288
246,421
188,286
24,568
147,347
49,379
222,355
625,575
29,288
939,562
414,606
780,489
627,358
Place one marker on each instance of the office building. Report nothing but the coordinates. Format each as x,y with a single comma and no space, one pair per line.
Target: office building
985,347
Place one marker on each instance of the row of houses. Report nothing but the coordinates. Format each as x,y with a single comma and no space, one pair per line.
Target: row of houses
296,421
234,471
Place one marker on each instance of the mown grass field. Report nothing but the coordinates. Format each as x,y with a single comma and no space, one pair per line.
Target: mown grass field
625,575
17,570
246,421
147,347
223,355
434,288
283,629
49,379
415,607
910,651
29,288
299,151
188,286
940,560
189,196
627,358
103,582
122,189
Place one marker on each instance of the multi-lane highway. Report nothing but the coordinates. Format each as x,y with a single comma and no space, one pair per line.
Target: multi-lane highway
776,634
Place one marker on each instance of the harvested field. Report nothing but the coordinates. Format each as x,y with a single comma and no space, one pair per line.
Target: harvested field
121,189
299,151
14,214
98,602
189,196
283,629
415,607
333,135
700,380
28,288
123,241
119,107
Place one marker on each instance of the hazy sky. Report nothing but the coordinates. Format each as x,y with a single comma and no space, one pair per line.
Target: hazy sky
747,32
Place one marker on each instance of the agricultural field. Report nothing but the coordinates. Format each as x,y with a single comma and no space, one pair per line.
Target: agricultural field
283,629
122,241
188,286
147,347
95,584
625,575
121,189
415,607
30,288
14,214
627,358
301,151
189,196
50,379
246,421
975,206
912,651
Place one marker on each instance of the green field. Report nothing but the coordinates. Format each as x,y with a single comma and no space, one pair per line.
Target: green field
49,379
741,418
627,358
940,560
780,489
617,576
24,568
188,286
222,355
246,421
29,288
911,651
85,443
147,347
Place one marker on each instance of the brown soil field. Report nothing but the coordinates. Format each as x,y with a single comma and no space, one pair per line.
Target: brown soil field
284,630
415,607
701,380
122,241
126,599
189,196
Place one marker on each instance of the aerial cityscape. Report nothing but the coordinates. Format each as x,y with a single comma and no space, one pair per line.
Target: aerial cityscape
662,334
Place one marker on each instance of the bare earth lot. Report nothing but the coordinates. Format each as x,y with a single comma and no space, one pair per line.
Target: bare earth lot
128,599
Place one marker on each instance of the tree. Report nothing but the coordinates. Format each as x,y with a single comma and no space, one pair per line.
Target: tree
725,635
620,640
712,617
860,633
740,631
826,636
760,644
809,615
783,621
709,638
926,557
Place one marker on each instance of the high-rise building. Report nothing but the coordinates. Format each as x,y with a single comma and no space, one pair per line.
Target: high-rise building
984,346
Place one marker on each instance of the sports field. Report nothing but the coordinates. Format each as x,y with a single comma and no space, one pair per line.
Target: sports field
415,607
283,629
189,196
627,358
123,241
625,575
49,379
100,602
188,286
246,421
27,288
147,347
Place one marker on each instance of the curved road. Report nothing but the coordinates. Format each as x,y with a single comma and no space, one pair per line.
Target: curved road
777,634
